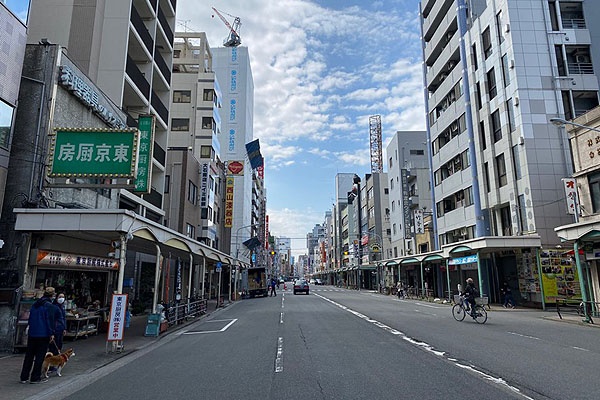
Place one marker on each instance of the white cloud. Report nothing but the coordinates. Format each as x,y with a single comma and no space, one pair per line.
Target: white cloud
319,73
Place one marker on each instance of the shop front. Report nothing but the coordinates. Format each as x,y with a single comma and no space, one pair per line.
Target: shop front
153,265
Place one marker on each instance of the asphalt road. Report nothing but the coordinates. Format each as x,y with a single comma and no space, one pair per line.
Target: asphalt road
342,344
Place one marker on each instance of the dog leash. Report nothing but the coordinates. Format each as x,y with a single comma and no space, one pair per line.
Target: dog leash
55,346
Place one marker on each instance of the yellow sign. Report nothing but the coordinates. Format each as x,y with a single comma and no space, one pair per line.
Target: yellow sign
229,201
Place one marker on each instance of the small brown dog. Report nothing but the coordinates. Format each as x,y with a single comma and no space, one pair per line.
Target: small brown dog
59,361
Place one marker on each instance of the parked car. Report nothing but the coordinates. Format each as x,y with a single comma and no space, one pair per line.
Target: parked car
301,285
312,281
318,282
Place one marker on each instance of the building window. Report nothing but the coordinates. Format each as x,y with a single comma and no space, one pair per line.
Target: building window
491,83
499,27
6,119
390,164
486,177
482,135
417,152
182,96
167,183
505,69
208,95
207,122
516,162
594,182
487,42
474,50
192,192
510,111
180,124
478,96
205,151
501,170
496,126
505,219
522,213
190,231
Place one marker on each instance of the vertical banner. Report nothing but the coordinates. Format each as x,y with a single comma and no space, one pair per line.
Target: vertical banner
406,203
144,160
419,224
570,187
116,323
178,280
229,201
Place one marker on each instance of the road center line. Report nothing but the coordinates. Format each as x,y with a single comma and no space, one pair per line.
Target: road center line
281,318
524,336
279,357
428,348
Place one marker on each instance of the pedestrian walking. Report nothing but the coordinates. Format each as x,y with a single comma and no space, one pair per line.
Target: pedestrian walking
60,318
41,326
509,301
273,284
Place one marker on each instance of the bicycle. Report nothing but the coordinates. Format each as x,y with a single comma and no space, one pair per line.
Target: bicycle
459,312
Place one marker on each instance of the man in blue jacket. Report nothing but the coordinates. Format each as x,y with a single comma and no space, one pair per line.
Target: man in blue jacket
41,332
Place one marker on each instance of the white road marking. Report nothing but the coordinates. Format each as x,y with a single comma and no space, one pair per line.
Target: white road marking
427,347
281,318
231,322
279,358
524,336
579,348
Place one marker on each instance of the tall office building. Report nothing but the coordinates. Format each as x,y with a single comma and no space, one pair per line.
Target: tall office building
409,187
126,48
232,67
194,161
495,72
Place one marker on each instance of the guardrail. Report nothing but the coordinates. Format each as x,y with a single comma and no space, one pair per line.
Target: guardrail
177,313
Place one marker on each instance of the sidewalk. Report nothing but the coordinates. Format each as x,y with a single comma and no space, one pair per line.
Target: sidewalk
90,354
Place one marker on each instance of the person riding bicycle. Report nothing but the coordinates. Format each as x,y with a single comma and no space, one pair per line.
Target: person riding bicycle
400,288
470,294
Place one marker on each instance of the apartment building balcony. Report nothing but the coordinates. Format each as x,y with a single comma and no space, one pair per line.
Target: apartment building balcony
137,92
435,11
140,31
165,26
444,66
159,107
441,38
162,74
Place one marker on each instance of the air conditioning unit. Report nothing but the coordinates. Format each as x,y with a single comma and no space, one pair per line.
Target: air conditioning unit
582,58
511,63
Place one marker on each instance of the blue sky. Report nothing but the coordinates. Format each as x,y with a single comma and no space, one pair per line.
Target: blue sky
321,68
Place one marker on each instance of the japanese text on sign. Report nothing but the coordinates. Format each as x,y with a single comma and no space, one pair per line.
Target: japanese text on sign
116,323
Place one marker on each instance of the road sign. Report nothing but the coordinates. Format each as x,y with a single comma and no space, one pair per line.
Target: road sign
219,266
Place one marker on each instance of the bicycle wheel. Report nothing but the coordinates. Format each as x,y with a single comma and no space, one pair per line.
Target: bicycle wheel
458,312
480,314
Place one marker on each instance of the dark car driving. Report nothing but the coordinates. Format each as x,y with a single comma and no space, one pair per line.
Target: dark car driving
301,285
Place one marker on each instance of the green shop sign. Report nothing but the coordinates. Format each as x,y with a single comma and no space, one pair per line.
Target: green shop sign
144,161
93,153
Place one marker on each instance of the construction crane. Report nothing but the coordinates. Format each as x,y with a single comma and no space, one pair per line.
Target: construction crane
233,40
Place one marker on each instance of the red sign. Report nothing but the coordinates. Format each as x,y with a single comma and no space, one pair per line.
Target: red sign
235,167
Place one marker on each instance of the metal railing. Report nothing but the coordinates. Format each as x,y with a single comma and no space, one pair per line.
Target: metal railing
177,313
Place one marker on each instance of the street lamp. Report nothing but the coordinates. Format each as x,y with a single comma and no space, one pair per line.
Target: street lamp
237,238
561,122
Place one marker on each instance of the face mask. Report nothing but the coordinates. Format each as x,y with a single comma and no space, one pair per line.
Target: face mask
61,300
